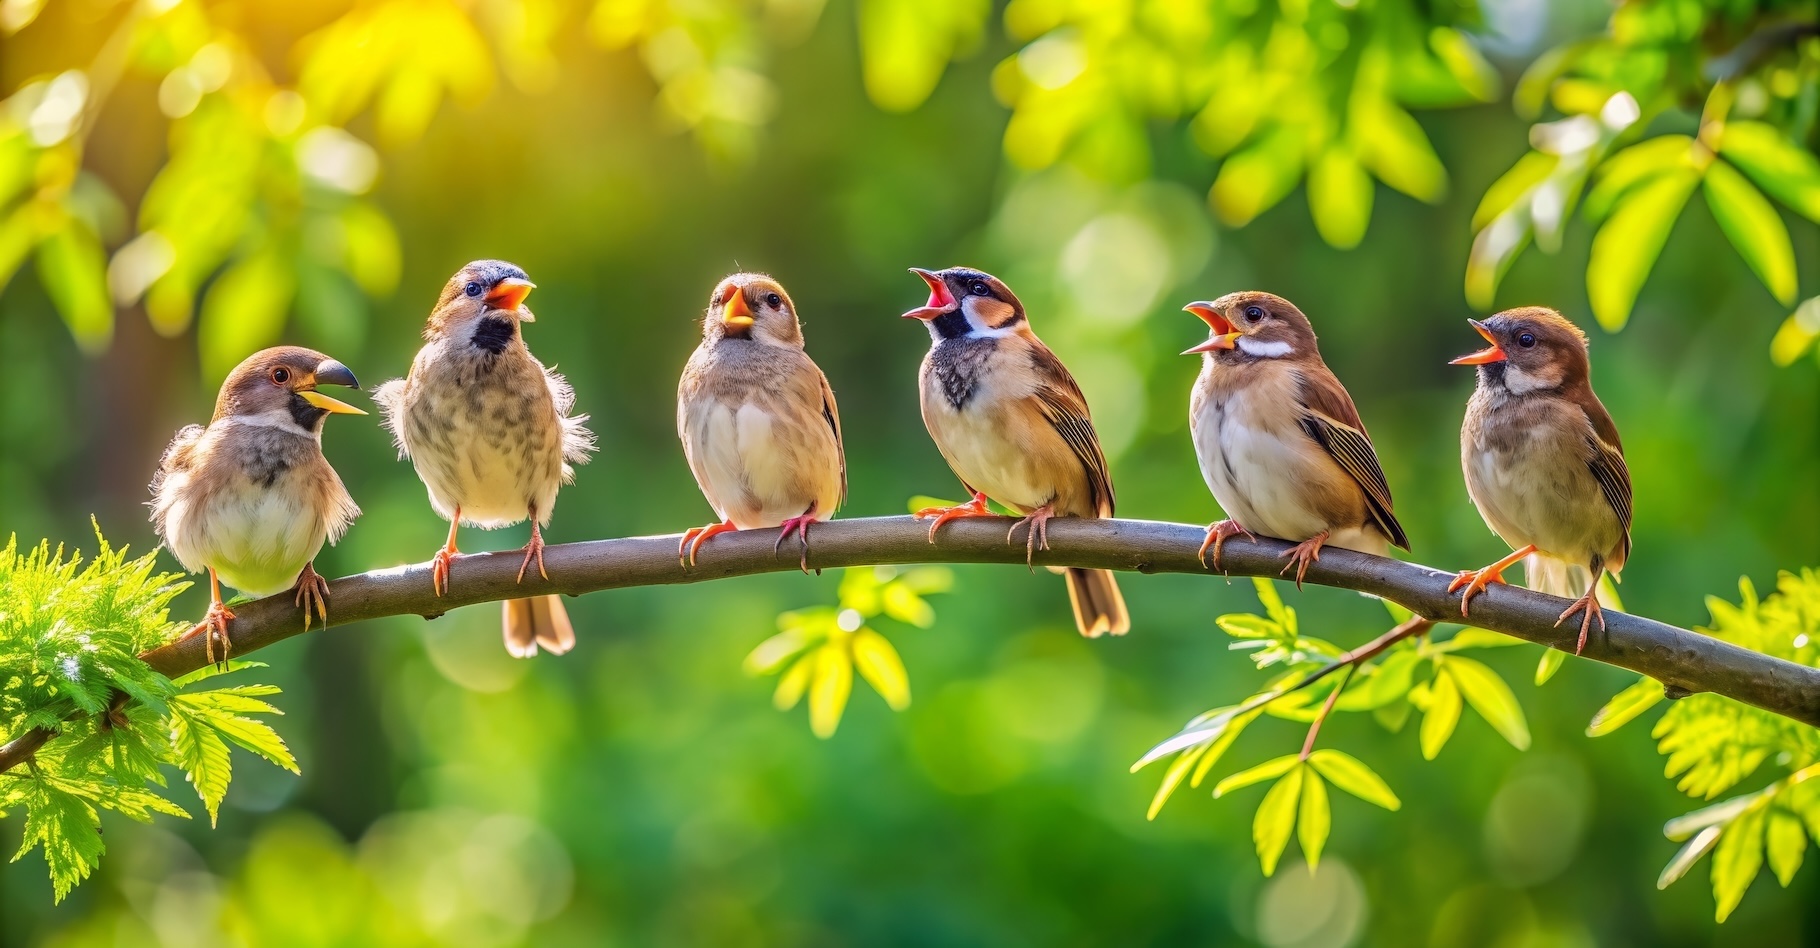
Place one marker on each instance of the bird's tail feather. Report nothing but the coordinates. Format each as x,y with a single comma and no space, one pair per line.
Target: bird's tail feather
539,620
1560,578
1099,607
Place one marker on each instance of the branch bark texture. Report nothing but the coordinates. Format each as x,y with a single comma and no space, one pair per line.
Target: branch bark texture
1685,662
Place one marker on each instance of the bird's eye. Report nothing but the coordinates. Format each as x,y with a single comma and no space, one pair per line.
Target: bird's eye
1254,313
281,375
773,300
1527,340
472,289
979,288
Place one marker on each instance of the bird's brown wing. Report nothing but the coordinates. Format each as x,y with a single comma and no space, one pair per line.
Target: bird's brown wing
1333,422
1607,461
831,414
178,456
1064,407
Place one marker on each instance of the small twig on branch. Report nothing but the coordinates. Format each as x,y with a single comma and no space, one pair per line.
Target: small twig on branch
1678,658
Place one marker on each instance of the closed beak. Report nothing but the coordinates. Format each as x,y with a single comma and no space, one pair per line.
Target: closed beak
1489,354
940,302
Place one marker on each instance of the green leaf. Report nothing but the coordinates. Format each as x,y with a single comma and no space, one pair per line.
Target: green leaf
1626,247
1276,817
73,268
828,692
1254,179
1754,228
771,654
1316,819
1787,844
255,736
67,828
1273,604
1392,144
1339,196
244,311
1441,714
202,755
1736,861
1172,778
210,671
1492,698
880,665
1551,662
1244,625
1624,706
1218,747
1636,165
1787,171
1688,855
1478,638
794,682
906,44
1530,170
1353,776
1275,767
1797,334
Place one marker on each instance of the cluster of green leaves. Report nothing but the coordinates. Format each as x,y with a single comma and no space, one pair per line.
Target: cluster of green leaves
1416,674
70,639
1734,75
818,649
1713,744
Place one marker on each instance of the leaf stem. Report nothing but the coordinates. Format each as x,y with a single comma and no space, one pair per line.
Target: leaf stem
1314,728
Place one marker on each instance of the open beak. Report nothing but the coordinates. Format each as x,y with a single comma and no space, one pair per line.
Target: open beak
509,293
1489,354
940,300
734,313
1224,336
331,372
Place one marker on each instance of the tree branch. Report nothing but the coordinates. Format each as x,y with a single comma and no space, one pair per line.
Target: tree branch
1683,661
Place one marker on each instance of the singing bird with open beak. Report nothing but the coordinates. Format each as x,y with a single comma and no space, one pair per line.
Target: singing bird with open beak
1543,462
1279,441
250,499
757,418
490,432
1013,426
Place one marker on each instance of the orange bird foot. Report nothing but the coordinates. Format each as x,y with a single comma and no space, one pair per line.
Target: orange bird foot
1217,535
439,568
693,539
312,590
972,508
1475,580
1037,522
1303,553
800,526
1589,605
214,625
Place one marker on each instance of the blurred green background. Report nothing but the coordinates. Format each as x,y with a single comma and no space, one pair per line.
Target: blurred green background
642,790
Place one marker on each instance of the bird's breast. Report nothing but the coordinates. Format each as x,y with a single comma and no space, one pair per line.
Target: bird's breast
1262,467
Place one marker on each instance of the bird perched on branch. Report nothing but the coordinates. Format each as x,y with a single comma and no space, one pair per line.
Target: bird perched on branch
490,432
1279,441
1543,462
1013,426
250,499
757,419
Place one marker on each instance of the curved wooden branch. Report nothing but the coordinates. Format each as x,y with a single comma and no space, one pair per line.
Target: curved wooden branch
1685,662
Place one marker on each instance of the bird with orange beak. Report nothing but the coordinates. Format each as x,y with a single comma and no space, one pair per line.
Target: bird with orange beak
1014,427
250,499
757,418
490,432
1543,462
1279,441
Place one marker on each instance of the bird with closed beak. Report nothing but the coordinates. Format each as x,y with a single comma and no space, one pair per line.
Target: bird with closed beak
1278,439
490,432
1543,462
1014,427
757,418
249,498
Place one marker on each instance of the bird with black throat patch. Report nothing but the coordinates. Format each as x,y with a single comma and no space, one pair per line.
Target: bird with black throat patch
1014,427
250,499
1278,438
491,433
1543,463
757,419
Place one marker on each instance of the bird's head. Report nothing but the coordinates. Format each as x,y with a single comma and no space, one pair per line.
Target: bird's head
964,301
752,306
1253,325
482,303
277,388
1532,349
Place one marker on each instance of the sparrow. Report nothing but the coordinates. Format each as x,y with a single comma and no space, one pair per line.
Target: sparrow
1013,426
757,419
490,432
1278,439
249,498
1543,462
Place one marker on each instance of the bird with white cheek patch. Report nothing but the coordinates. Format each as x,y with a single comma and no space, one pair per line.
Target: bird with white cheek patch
1279,441
250,499
490,433
757,418
1013,426
1543,462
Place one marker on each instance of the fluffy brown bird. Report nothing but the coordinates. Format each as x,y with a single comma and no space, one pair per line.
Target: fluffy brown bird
1278,439
490,432
757,419
1543,462
250,499
1013,426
